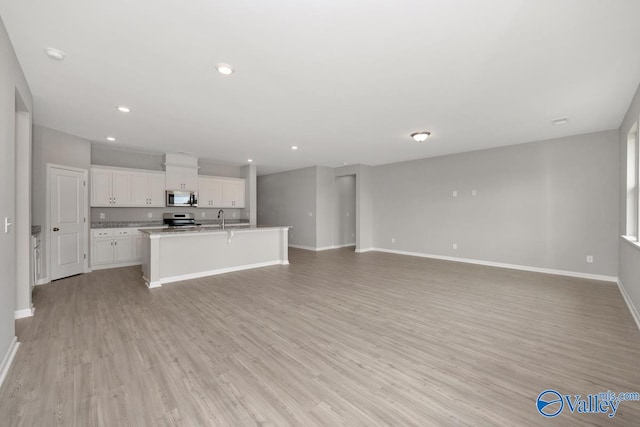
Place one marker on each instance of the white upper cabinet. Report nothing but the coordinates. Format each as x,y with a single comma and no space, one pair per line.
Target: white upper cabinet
218,192
126,188
181,178
233,193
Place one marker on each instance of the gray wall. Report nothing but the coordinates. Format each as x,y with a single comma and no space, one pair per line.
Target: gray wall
287,198
546,204
106,155
12,80
52,146
629,267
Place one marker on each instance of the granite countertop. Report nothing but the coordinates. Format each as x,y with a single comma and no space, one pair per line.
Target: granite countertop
159,223
35,229
210,229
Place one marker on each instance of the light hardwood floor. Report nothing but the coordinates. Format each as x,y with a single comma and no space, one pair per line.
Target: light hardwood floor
335,338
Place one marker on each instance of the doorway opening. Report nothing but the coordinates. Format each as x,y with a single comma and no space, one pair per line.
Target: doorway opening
345,212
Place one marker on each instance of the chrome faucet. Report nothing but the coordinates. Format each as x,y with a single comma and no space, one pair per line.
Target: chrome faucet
221,212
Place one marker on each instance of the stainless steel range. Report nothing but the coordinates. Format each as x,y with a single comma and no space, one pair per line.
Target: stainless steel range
179,220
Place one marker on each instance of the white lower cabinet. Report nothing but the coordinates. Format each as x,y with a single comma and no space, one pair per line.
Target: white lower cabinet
115,247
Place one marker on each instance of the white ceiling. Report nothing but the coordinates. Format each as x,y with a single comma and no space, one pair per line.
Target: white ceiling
345,80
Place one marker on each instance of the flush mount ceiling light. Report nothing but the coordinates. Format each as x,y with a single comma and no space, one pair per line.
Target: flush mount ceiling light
249,160
294,147
124,109
54,54
225,69
111,139
420,136
560,121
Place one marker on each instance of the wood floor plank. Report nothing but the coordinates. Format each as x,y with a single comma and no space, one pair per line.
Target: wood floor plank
334,338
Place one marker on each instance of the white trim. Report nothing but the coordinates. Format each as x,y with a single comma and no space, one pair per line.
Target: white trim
198,275
306,248
365,250
43,281
632,308
8,359
116,265
504,265
322,248
632,241
27,312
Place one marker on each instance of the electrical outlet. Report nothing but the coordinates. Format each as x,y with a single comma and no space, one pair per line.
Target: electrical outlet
455,246
455,194
393,240
474,193
202,214
310,213
102,215
589,258
150,215
233,215
347,213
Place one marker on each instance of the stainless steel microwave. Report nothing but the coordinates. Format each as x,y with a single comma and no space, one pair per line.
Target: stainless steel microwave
182,198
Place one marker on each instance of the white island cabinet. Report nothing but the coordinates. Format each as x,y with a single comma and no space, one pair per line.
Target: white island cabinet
171,256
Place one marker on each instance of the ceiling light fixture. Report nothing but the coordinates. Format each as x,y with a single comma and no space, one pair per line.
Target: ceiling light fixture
111,139
225,69
250,160
54,54
124,109
294,147
560,121
420,136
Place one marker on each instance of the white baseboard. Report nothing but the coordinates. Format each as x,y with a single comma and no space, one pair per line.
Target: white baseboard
360,251
632,307
190,276
27,312
322,248
115,265
7,360
43,281
504,265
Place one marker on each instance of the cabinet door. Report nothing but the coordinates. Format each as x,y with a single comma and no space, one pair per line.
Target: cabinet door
102,251
233,194
121,188
139,189
100,187
123,249
156,190
137,247
209,193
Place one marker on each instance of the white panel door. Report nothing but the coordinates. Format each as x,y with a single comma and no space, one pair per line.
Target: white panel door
100,187
121,188
156,190
139,189
66,219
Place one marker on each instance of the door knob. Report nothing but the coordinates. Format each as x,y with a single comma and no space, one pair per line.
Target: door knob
56,229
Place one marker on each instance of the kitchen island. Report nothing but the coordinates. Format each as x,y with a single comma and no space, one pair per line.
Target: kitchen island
172,255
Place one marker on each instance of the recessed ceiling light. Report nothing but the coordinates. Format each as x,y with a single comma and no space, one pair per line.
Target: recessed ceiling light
225,69
55,54
250,160
111,139
124,109
420,136
294,147
560,121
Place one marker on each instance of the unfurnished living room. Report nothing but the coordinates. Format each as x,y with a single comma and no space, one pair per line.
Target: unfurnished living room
327,213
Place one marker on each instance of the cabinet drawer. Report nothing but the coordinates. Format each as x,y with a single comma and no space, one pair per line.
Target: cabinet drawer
124,231
102,232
